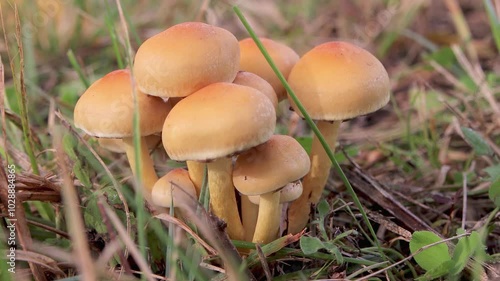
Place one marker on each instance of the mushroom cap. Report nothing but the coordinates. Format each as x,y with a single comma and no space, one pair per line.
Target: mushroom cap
253,80
106,109
185,58
175,183
289,193
217,121
117,145
338,81
270,166
252,60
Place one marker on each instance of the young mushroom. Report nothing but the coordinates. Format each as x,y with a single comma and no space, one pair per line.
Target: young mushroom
183,59
334,81
207,126
175,190
106,110
249,79
252,60
264,170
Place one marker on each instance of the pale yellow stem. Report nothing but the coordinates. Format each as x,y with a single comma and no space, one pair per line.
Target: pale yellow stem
314,182
249,212
148,176
222,196
196,171
268,221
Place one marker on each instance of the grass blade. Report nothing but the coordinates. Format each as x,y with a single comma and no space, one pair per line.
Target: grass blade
494,22
76,66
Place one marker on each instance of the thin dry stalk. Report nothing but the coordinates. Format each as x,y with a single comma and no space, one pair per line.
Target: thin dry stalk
76,226
479,78
143,265
462,28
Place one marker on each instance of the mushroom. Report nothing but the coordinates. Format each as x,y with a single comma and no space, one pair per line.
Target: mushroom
334,81
174,190
250,206
207,127
106,110
253,80
252,60
183,59
264,170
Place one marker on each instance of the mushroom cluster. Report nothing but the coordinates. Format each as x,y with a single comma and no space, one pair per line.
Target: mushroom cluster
213,100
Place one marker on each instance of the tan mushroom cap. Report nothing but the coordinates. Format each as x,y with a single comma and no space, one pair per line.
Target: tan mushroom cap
106,109
270,166
117,145
254,81
175,183
252,60
217,121
288,193
185,58
338,81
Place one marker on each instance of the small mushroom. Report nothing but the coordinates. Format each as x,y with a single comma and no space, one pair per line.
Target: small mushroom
254,81
264,170
175,190
334,81
252,60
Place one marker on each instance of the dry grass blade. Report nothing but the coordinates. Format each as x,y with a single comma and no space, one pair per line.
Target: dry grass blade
143,265
213,230
76,225
43,260
376,193
21,225
112,235
477,75
2,102
23,96
263,262
46,227
181,224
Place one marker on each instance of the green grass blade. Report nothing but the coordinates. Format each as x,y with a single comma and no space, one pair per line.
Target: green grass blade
311,123
76,66
494,22
112,34
139,198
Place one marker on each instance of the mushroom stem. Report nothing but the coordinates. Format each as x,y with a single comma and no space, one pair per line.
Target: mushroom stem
249,213
268,220
196,172
222,196
314,182
148,176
